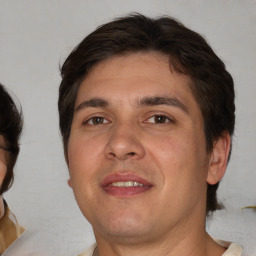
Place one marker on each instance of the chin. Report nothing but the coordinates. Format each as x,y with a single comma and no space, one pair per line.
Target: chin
123,227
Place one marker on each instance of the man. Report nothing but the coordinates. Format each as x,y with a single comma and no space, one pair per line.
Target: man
147,115
10,130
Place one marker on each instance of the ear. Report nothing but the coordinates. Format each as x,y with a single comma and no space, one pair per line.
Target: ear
3,170
219,159
66,155
70,183
67,162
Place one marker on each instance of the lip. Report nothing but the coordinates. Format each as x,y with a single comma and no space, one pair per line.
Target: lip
124,191
123,177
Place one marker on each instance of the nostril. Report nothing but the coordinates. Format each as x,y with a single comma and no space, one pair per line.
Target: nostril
112,154
131,154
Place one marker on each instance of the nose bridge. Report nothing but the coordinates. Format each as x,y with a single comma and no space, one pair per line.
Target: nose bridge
124,142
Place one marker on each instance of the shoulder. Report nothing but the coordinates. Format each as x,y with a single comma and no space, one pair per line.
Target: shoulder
232,248
10,230
89,251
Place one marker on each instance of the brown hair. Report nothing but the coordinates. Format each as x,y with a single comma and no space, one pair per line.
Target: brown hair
189,53
11,121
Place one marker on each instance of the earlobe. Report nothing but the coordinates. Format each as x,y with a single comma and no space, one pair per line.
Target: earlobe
66,158
219,159
69,182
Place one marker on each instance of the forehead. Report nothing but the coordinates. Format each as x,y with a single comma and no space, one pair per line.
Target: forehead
137,74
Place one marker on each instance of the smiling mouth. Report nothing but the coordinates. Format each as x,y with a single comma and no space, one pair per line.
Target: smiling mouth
125,185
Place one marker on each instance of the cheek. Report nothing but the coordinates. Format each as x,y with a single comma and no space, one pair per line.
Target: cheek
180,157
83,155
171,150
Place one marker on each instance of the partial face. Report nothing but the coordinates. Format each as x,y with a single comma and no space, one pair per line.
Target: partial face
137,153
3,159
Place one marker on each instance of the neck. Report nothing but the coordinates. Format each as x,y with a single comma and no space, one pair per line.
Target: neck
186,237
191,243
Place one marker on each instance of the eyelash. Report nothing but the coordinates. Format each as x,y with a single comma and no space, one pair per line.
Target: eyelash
99,120
166,119
91,120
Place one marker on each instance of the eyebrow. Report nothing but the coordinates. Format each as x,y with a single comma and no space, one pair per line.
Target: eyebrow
145,101
93,103
159,100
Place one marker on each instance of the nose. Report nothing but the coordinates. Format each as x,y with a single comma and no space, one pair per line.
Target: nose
124,142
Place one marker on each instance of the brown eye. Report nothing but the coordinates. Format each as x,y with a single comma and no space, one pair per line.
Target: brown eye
159,119
96,120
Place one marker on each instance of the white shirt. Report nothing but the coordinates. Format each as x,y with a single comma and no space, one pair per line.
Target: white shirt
232,249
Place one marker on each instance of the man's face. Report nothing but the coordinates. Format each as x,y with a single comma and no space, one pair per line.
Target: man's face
137,153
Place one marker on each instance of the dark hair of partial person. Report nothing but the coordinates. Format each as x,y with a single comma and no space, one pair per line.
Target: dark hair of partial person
189,54
11,122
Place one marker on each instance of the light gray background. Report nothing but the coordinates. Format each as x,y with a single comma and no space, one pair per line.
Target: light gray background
37,35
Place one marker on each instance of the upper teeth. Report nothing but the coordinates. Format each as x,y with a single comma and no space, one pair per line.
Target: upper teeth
126,184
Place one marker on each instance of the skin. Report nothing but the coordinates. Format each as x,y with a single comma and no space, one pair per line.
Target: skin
163,144
3,170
